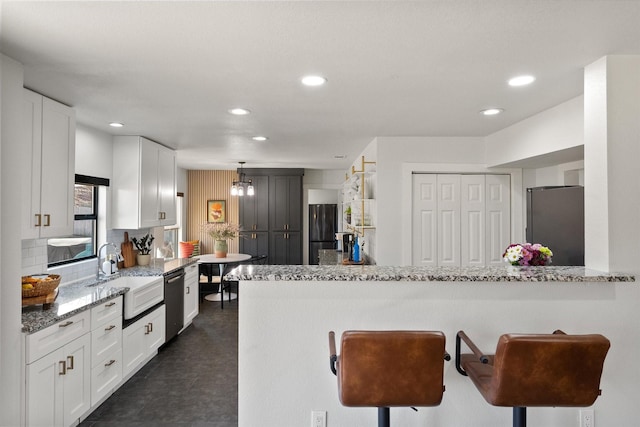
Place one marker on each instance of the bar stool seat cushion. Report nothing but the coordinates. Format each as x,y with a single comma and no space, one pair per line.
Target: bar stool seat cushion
540,370
391,368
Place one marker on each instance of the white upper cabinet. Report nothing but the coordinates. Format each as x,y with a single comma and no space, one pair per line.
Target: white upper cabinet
49,167
144,183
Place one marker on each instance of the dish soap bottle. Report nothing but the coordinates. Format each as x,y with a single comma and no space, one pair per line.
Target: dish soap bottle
106,266
356,251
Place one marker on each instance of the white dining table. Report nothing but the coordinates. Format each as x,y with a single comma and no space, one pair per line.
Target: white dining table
222,263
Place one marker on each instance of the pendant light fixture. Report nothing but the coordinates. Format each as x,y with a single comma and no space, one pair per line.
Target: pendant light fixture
242,186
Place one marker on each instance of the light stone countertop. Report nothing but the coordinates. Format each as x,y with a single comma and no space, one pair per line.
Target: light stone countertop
76,297
504,273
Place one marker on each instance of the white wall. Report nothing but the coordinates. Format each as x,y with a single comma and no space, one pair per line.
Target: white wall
319,197
284,362
556,129
11,139
562,174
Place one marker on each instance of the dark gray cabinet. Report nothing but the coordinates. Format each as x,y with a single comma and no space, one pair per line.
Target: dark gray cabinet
271,220
254,210
285,211
286,247
254,243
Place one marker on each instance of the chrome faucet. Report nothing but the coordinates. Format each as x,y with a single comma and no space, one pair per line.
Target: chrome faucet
118,256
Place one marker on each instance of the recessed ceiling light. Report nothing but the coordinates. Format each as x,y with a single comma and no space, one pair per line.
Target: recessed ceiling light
259,138
313,80
521,80
116,124
491,111
339,156
239,111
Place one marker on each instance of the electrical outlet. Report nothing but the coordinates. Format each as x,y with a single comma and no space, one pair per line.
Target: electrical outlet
318,418
587,418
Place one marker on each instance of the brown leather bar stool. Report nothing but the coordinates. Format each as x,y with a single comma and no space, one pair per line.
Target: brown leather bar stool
536,370
389,368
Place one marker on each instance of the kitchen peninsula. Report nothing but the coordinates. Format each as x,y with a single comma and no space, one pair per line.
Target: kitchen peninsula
286,312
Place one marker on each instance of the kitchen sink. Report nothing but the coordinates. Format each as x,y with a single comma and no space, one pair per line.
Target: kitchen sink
144,292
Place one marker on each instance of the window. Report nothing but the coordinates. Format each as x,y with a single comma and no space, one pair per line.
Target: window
83,243
172,234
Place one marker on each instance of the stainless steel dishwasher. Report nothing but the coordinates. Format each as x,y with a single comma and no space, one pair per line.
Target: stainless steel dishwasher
174,302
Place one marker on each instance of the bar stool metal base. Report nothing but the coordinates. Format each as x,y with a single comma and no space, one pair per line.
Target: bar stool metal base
519,416
384,417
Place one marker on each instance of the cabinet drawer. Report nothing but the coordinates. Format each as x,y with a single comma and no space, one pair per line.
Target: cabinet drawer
190,272
106,376
106,311
105,339
49,339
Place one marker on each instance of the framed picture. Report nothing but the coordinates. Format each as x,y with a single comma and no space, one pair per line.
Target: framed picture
216,211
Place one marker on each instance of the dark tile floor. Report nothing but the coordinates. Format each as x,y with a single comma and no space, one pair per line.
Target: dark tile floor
192,382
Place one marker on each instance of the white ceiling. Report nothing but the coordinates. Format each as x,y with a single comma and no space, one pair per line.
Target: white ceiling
171,70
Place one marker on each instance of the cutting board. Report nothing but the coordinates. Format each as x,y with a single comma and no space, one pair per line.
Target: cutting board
43,299
127,252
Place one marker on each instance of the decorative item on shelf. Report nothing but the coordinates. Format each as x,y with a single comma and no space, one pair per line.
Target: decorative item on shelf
527,254
220,233
144,249
347,214
242,185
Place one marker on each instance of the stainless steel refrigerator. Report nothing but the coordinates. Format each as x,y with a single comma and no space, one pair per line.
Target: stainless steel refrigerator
323,224
555,218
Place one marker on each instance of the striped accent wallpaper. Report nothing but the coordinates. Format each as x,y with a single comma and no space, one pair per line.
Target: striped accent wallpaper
203,185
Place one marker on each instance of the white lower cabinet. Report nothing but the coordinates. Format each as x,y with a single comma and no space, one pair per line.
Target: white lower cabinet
106,349
58,385
106,377
191,294
76,364
141,340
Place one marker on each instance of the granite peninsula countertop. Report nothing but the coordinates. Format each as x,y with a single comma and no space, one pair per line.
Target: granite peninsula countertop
422,274
79,296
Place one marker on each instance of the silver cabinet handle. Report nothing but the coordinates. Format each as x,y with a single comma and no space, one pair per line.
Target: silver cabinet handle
110,362
70,362
110,327
65,324
175,278
62,368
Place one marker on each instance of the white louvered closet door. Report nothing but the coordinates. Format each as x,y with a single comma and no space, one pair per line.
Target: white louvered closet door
498,217
460,220
472,220
448,220
424,221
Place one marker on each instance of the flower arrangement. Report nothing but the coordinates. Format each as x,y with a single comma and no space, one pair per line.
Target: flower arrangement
527,254
144,244
221,231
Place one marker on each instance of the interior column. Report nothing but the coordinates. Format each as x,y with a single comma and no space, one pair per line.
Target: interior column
611,153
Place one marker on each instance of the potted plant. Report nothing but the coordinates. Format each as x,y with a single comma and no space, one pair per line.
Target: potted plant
347,213
220,232
144,249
